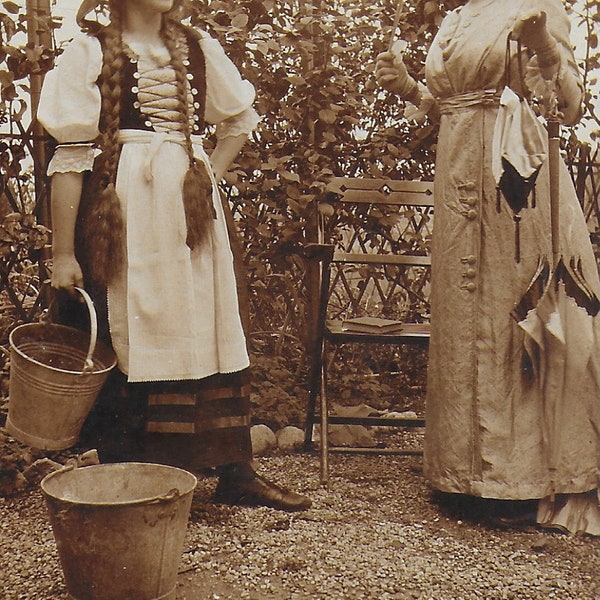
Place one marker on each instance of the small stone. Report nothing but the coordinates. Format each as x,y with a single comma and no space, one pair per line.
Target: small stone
85,459
35,472
352,436
290,438
263,439
408,414
540,543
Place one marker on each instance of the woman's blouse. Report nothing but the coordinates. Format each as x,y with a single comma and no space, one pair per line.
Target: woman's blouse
469,51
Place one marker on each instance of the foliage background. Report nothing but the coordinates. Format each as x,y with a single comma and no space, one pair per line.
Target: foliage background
312,64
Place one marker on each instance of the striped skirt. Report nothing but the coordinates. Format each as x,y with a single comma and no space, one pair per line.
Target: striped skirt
198,424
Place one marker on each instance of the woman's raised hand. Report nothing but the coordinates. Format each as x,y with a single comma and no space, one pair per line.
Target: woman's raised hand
391,74
532,32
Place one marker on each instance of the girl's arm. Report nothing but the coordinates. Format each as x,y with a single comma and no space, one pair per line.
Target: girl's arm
225,153
66,193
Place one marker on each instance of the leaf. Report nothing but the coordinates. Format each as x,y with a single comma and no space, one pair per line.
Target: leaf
327,116
296,80
290,176
11,7
430,8
240,21
6,78
9,27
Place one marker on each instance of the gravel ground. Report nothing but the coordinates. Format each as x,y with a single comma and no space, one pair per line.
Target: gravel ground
377,532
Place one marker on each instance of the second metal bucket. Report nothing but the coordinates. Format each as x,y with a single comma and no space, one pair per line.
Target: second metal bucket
120,528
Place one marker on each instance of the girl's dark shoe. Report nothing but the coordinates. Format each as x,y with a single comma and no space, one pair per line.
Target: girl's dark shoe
250,489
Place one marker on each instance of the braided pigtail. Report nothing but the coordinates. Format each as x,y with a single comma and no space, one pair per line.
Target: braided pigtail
197,184
102,224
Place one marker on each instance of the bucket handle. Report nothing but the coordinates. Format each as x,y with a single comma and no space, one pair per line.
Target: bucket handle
172,494
88,365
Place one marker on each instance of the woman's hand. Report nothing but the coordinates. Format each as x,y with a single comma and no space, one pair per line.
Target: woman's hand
66,272
391,74
532,32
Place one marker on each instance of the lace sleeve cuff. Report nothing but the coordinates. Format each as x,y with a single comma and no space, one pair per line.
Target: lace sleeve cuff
72,158
563,86
241,124
426,106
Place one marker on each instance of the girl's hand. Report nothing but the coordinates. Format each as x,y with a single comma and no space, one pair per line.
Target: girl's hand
66,272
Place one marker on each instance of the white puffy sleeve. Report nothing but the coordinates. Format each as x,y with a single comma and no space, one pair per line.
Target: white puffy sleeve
229,97
70,102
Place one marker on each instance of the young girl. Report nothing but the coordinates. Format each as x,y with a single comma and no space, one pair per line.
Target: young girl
127,103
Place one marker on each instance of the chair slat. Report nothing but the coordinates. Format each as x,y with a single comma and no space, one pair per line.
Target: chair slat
375,197
343,185
382,259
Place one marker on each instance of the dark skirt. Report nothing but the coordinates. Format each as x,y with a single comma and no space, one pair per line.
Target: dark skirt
194,425
199,424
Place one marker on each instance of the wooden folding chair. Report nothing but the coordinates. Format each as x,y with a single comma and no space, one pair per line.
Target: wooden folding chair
374,256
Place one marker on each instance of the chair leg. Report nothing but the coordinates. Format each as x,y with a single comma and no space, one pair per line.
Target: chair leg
315,383
324,424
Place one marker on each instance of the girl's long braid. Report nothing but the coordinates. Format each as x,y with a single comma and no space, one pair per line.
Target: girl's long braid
103,226
197,185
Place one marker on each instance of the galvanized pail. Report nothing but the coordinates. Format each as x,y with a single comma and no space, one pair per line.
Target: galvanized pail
120,528
56,373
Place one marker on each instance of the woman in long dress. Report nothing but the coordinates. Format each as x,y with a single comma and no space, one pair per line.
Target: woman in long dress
128,103
496,425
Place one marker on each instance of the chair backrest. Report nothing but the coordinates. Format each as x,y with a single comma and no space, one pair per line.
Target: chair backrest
381,230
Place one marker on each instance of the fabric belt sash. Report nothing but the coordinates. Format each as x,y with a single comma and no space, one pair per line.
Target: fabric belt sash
469,99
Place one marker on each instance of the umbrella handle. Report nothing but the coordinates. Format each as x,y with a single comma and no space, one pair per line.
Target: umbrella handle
554,173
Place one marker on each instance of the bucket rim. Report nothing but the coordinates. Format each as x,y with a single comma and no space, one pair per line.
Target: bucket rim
15,347
142,501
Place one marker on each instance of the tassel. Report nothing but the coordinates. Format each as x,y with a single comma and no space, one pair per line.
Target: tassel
534,197
498,198
198,205
517,220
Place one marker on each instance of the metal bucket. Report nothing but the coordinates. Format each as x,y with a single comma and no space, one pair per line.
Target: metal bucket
120,528
56,373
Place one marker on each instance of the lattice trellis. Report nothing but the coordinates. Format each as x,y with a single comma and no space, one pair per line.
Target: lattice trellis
25,216
23,240
366,232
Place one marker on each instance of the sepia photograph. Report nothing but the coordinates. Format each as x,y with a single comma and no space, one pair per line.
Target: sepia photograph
299,300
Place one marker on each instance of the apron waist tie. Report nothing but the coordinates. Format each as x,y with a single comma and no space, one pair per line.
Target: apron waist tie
154,140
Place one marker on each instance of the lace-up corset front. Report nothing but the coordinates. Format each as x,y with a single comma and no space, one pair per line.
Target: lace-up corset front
150,100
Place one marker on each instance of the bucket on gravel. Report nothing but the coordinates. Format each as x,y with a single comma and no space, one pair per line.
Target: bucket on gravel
56,373
120,528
